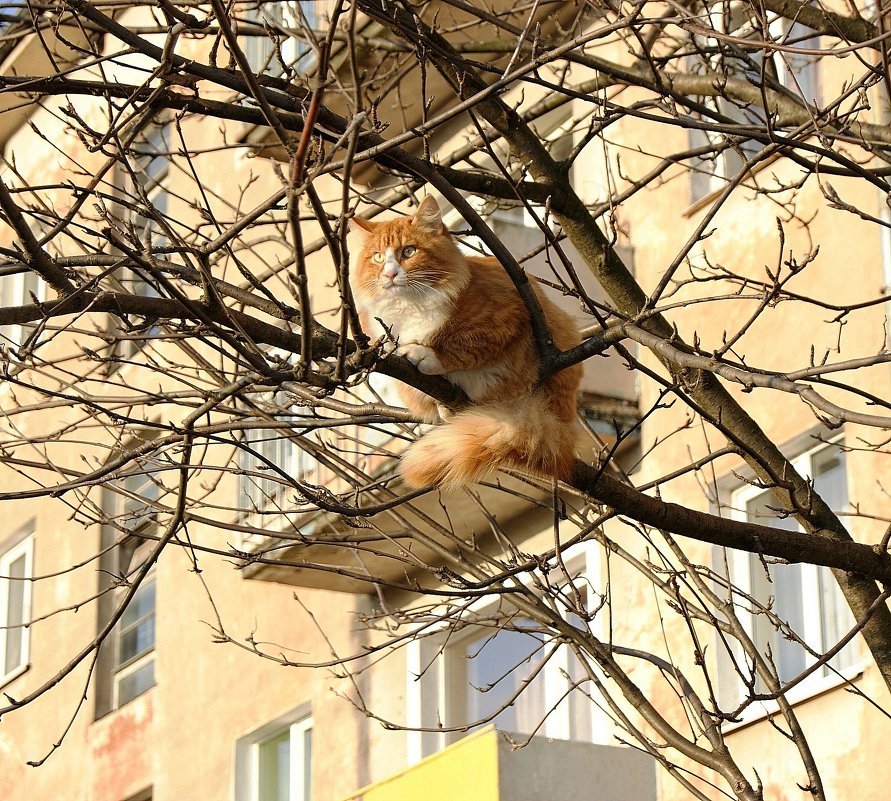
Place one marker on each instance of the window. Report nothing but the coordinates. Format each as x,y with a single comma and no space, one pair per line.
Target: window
884,116
135,637
274,763
136,641
265,493
515,222
150,170
146,218
885,247
486,669
277,57
260,487
126,667
710,173
796,72
804,597
19,289
267,460
16,568
457,678
472,679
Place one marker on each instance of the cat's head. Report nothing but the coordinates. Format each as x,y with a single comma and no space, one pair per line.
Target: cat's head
410,256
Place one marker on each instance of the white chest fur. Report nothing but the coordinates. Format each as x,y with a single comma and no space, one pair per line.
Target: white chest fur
412,320
409,319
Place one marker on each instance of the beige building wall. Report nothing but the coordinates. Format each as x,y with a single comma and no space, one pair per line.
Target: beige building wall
178,738
181,734
841,727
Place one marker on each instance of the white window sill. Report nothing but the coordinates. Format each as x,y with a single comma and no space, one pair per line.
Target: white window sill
14,674
808,690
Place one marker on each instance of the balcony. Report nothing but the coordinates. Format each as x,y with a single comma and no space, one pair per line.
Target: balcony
484,767
328,551
416,96
336,550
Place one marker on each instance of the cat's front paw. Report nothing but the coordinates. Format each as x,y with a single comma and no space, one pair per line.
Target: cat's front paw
421,357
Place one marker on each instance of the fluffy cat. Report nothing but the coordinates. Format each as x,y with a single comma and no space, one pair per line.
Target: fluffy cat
462,317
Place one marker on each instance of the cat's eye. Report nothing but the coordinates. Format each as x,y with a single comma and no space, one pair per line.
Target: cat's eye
408,251
378,258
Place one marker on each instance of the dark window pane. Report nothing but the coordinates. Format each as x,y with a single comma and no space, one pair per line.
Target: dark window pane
496,667
831,484
788,605
136,632
830,477
137,640
141,605
136,683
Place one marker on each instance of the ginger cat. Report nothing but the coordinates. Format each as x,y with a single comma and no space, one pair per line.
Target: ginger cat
462,317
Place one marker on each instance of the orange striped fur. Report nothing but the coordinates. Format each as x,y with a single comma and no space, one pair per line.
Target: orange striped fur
462,317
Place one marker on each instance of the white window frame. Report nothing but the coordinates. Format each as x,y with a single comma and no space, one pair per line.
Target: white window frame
16,291
143,660
247,755
739,563
23,548
791,73
263,55
260,505
143,486
780,29
430,685
152,172
272,444
261,509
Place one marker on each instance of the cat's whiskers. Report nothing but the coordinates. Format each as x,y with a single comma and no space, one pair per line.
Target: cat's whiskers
423,290
426,274
431,278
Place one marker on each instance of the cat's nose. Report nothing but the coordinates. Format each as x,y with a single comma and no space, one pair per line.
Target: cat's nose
390,272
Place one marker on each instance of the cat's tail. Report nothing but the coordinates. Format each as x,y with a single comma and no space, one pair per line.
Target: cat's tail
470,446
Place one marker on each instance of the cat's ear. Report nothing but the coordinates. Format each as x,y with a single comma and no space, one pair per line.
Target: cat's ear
428,216
363,227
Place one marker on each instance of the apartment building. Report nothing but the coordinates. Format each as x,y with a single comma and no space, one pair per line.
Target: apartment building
251,661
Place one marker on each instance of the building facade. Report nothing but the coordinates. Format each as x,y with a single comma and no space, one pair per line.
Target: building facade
236,650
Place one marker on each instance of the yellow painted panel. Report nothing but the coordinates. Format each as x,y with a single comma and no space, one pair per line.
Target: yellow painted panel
467,770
